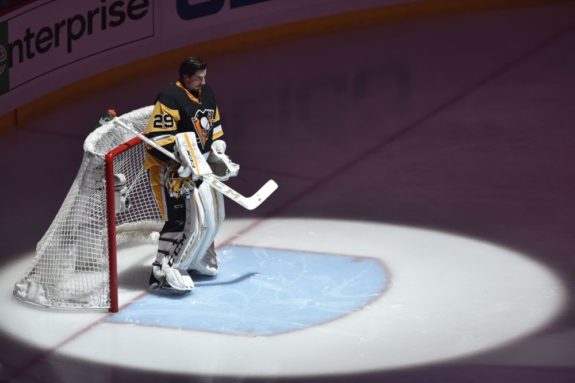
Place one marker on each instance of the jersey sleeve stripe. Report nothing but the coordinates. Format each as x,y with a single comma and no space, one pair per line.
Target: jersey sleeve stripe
217,133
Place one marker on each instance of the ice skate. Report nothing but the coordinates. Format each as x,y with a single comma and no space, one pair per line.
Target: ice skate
164,279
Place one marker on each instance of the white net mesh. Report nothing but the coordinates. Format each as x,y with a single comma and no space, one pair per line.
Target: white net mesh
71,267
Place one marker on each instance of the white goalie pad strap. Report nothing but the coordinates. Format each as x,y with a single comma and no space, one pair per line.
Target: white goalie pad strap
193,162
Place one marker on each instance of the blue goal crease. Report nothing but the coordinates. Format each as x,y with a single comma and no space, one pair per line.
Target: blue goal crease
261,291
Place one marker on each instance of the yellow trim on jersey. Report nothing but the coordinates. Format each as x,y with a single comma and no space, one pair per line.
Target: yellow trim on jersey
190,95
217,116
166,141
218,132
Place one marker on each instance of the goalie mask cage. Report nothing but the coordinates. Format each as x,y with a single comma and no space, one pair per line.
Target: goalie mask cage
75,262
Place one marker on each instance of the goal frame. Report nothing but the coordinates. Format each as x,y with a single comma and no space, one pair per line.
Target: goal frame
110,201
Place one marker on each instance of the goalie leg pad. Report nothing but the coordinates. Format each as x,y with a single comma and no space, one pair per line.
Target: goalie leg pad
177,235
211,212
187,238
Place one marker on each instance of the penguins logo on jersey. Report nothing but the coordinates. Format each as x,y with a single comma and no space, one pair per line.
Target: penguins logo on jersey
203,122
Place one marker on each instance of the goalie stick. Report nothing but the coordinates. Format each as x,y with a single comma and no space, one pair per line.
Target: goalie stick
249,203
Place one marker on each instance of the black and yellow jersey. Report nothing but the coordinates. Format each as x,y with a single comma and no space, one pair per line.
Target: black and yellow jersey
177,110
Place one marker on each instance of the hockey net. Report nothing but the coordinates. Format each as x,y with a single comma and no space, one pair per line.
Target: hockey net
75,261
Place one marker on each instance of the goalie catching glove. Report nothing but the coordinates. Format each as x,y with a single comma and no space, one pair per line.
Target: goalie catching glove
222,166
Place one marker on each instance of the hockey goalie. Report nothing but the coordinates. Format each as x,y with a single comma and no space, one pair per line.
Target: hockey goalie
185,121
157,169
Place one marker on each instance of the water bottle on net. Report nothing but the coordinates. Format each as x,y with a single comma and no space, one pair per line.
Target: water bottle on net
110,114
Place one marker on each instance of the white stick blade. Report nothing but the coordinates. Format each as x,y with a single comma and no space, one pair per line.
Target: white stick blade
261,195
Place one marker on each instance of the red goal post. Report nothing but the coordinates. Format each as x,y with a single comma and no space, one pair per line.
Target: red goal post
111,217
